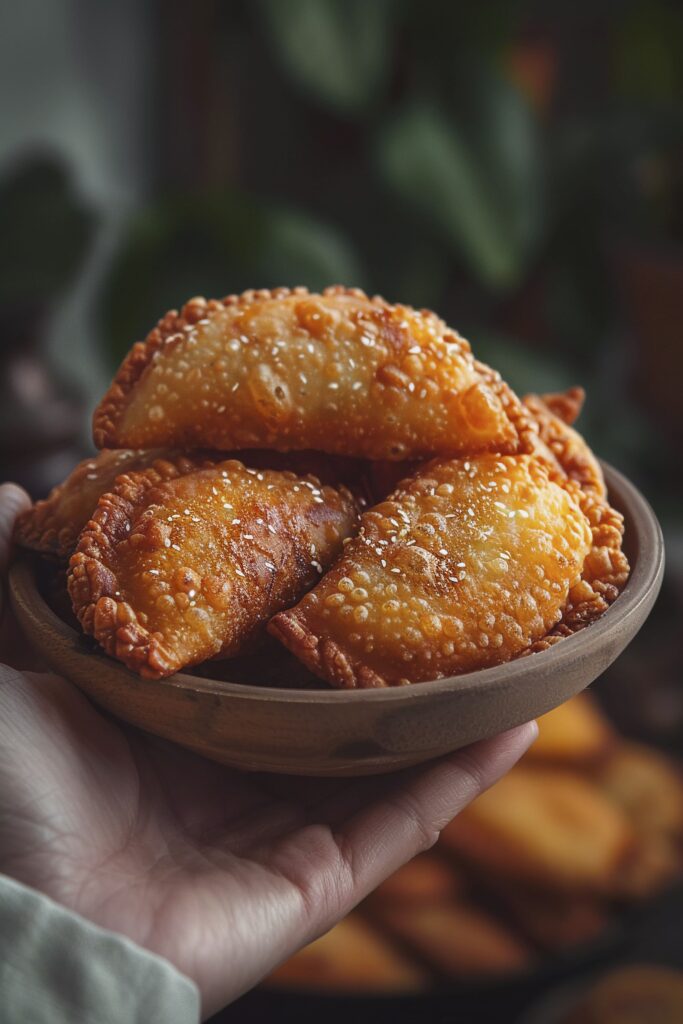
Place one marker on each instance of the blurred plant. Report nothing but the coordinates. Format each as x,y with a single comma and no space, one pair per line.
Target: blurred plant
45,229
487,160
211,245
476,178
336,50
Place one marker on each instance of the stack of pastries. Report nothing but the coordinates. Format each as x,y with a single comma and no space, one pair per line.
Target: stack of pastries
340,473
546,861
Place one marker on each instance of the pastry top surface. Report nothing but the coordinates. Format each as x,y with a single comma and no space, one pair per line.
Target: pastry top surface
285,369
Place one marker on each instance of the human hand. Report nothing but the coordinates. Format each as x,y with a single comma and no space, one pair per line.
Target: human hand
223,873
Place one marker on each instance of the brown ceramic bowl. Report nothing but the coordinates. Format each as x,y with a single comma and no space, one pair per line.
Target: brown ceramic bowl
359,732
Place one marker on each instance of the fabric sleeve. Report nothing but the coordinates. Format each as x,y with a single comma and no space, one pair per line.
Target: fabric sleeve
58,968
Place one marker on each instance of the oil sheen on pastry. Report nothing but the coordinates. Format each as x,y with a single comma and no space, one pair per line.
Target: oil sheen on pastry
287,370
572,464
52,526
466,565
185,562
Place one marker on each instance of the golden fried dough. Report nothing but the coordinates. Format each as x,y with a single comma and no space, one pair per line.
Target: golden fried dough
52,526
551,828
575,733
455,939
352,957
286,370
554,414
186,560
571,463
467,564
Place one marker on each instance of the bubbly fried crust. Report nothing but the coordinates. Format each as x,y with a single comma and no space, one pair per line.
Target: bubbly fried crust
186,560
572,464
554,414
52,526
285,369
466,565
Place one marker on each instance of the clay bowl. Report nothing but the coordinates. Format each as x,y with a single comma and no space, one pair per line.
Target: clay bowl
360,732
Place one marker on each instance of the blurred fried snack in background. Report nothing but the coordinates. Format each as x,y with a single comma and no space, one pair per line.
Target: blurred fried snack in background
427,907
544,827
350,957
648,789
576,733
632,995
543,862
455,938
552,921
427,878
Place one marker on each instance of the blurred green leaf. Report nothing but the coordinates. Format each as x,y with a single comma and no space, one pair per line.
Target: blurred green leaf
476,180
212,246
300,250
336,49
45,228
523,368
647,51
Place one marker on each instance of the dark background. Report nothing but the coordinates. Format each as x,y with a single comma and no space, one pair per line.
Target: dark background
518,166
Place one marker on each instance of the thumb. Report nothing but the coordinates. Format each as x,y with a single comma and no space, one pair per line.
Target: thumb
13,500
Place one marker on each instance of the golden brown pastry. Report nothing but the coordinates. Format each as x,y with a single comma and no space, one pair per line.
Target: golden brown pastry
466,565
52,526
352,957
554,414
283,369
187,560
571,464
551,828
575,733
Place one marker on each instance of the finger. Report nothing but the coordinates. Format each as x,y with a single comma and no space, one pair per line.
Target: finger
13,500
299,801
409,815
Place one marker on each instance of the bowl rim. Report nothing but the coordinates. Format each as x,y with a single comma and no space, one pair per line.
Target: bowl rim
647,570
